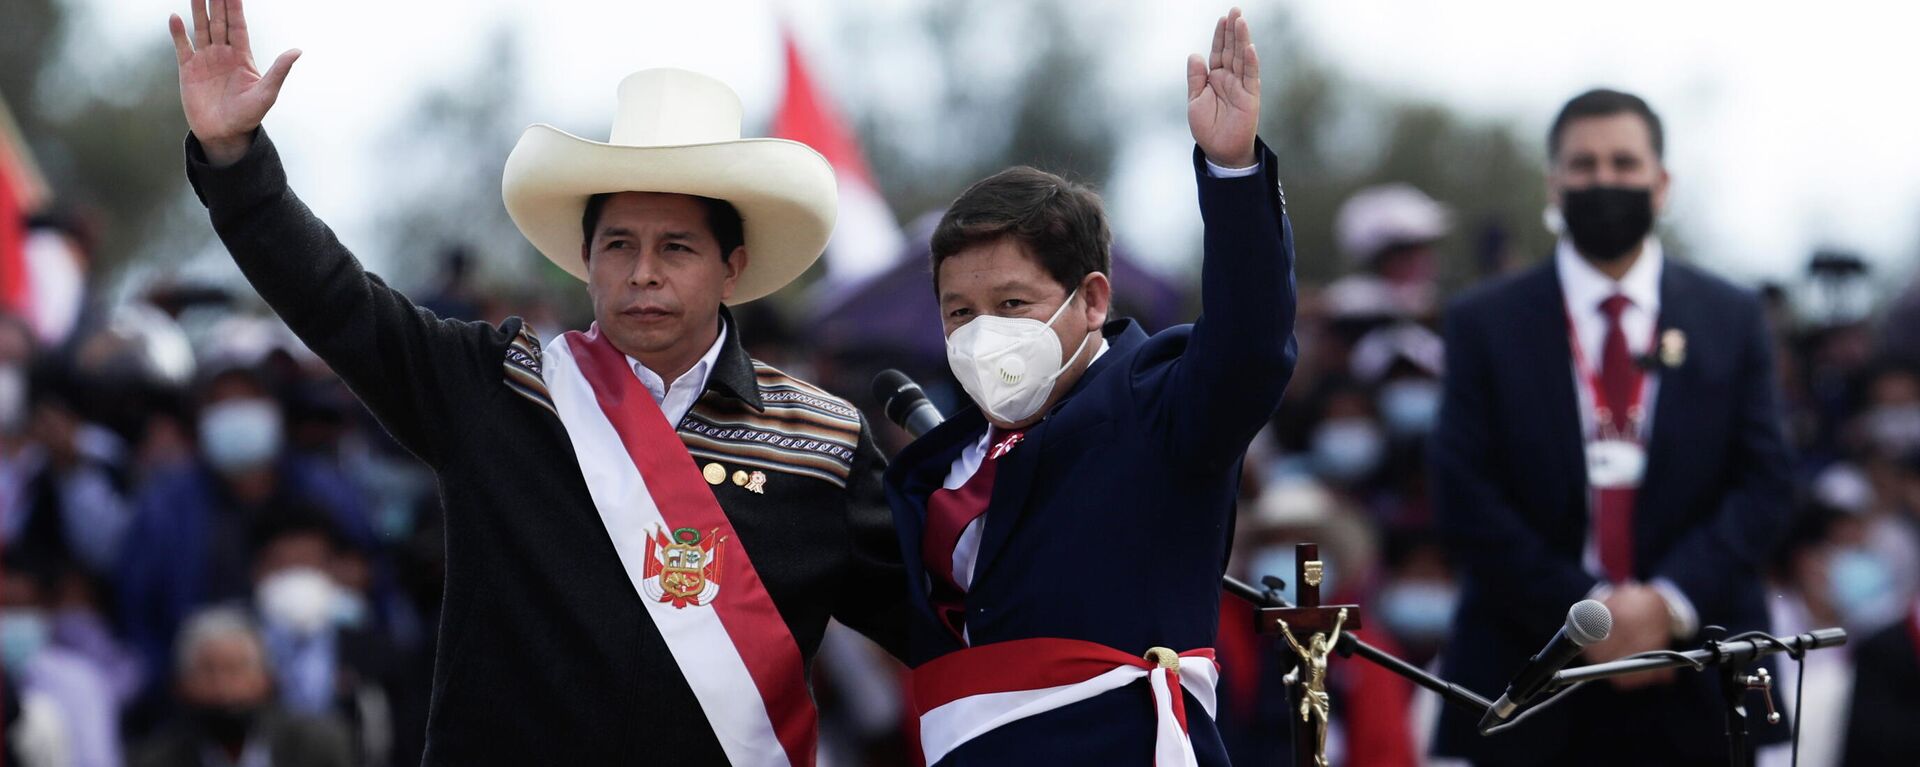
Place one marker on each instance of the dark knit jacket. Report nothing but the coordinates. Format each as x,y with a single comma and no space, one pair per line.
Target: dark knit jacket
546,653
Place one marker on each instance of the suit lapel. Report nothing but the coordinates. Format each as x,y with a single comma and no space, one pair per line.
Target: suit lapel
1544,334
1675,384
1014,480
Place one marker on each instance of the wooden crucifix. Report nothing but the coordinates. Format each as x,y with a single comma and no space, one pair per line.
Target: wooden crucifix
1321,626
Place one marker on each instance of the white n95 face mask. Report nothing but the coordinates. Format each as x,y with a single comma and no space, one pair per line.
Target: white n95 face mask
299,599
1008,365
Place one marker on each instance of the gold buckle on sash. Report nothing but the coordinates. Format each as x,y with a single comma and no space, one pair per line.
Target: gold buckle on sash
1167,659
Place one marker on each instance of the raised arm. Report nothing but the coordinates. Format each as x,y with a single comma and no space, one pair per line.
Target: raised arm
413,370
1236,364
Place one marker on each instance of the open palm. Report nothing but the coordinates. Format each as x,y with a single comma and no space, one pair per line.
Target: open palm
1223,94
223,92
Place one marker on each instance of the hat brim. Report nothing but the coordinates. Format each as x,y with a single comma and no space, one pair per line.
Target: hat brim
783,189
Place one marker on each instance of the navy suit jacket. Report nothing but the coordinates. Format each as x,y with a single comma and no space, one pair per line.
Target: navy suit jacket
1511,495
1111,522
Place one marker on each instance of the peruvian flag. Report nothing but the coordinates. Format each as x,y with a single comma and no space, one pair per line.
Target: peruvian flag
21,190
866,239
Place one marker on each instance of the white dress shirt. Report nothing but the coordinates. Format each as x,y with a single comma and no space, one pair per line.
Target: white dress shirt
1584,287
677,399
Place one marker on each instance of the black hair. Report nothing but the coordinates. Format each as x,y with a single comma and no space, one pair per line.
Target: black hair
1603,102
728,228
298,519
1063,224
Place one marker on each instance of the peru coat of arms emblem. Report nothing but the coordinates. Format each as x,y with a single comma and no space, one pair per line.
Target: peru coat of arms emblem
683,568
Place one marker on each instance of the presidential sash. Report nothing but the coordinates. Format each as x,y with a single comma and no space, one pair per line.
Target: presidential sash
975,690
681,552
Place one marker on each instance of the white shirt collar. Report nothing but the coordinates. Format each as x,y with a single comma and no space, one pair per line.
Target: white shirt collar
677,399
1585,286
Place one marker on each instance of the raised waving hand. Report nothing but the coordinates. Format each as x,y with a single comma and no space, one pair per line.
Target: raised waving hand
222,91
1223,94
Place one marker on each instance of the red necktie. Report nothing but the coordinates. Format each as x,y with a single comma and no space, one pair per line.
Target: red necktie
1619,382
949,512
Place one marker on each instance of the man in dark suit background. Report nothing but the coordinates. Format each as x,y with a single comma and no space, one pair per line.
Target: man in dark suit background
1609,430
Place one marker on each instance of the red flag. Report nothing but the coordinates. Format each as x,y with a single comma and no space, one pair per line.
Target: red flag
21,190
13,253
866,239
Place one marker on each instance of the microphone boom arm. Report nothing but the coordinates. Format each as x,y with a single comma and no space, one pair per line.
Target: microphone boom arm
1350,645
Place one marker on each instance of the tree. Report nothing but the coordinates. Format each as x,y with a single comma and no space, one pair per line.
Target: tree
1044,114
109,144
445,159
1338,136
1334,135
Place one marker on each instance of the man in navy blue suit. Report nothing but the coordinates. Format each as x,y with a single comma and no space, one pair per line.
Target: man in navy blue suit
1609,430
1065,536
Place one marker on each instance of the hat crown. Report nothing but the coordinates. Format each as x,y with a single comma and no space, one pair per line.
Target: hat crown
674,107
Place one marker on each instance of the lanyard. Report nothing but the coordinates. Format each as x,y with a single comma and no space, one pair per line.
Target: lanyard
1590,377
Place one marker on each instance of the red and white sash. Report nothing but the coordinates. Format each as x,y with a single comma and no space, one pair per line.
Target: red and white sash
965,694
681,552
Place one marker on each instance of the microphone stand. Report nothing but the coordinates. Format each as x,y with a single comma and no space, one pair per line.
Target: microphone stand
1732,656
1351,645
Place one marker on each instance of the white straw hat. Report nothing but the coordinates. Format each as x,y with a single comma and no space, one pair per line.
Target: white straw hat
679,132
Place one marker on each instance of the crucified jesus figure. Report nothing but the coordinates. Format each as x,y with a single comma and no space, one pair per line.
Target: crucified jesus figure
1314,701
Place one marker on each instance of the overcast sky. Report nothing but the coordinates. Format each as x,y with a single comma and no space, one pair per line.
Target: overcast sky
1787,129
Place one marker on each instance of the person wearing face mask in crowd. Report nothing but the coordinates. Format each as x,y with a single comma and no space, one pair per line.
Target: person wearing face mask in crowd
1803,580
63,479
1609,429
1400,365
1868,575
35,656
1387,233
228,717
1886,695
1416,598
1886,430
314,627
193,526
1348,445
1095,459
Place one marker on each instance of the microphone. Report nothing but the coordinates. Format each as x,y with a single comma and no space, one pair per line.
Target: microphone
1588,622
905,403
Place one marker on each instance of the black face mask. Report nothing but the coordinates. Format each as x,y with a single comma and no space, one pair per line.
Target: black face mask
226,723
1607,222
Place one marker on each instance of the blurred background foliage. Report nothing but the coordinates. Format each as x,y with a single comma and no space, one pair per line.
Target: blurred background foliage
107,136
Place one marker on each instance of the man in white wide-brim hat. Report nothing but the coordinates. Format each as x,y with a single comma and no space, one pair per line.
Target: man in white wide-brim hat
647,531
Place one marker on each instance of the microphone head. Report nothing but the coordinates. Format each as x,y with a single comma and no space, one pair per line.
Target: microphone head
898,395
1589,622
889,384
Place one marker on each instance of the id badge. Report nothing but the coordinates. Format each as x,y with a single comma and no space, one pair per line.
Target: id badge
1615,463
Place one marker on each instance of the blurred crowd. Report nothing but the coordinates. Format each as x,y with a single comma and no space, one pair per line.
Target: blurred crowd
213,556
